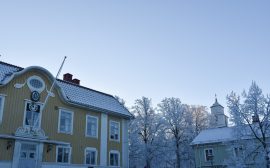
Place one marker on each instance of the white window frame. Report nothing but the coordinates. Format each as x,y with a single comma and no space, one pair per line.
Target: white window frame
205,157
69,156
96,155
119,126
2,97
114,152
86,126
40,114
59,120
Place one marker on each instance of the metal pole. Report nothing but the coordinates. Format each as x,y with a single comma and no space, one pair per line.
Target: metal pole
55,79
48,95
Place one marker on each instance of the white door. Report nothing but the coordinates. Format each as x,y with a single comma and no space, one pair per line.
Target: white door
28,155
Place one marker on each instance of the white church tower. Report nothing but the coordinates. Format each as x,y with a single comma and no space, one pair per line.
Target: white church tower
220,119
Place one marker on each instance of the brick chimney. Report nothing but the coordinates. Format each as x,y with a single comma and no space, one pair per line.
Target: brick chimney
76,81
67,77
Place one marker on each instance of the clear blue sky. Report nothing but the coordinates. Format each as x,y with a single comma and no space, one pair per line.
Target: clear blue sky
186,49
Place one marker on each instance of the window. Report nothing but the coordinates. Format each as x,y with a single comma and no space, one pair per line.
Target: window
35,83
91,126
238,151
65,122
28,151
63,154
208,153
114,158
90,156
115,130
2,102
32,114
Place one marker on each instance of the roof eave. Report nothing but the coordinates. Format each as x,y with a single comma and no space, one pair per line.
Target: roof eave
61,91
100,110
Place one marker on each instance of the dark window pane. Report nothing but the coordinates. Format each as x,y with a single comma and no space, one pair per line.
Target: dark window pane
116,159
59,156
87,158
66,155
93,158
111,159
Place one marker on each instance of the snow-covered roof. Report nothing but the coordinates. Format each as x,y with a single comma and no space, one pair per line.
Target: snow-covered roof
214,135
216,104
225,134
77,94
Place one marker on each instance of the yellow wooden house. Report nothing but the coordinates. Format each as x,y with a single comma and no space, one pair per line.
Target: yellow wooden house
77,128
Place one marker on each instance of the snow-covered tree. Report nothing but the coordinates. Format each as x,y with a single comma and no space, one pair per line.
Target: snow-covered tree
145,134
251,119
175,115
163,136
201,118
121,101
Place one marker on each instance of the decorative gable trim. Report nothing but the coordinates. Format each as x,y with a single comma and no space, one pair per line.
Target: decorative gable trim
9,76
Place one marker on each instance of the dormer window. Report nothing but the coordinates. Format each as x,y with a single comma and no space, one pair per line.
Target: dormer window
35,83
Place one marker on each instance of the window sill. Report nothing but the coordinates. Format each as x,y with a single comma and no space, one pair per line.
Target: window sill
67,133
93,137
63,163
91,165
113,140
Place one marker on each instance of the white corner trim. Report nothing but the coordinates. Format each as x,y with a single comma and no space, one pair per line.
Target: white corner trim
2,97
103,139
125,151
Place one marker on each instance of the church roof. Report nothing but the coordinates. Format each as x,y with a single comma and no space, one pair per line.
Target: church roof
214,135
216,104
226,134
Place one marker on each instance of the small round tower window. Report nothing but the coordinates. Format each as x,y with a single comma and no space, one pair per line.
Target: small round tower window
35,83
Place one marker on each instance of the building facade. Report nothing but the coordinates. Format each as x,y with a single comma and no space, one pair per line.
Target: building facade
76,127
208,147
222,146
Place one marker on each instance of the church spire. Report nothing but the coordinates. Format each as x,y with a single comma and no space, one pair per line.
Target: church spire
216,103
217,110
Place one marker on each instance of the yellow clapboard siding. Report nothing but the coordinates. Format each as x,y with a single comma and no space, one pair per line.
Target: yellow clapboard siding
14,114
